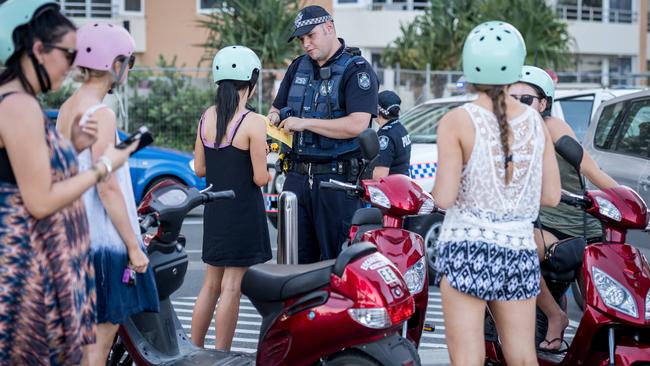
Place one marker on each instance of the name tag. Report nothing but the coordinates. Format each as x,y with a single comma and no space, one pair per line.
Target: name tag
300,80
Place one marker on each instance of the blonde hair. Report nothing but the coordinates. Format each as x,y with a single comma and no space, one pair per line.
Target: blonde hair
84,74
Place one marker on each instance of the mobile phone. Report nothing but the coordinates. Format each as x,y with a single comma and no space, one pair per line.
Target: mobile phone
143,134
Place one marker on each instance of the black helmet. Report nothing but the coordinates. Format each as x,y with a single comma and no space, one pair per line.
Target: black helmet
389,103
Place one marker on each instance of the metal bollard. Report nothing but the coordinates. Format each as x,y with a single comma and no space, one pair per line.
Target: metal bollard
288,228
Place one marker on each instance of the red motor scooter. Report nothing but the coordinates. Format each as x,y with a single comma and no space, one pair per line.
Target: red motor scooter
347,311
614,282
393,198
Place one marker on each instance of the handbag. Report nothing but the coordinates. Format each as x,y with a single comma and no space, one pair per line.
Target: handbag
564,255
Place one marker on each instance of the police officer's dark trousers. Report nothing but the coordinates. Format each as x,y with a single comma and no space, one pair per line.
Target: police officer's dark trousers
323,216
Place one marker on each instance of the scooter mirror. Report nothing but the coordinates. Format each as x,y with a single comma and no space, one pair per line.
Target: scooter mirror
570,150
369,143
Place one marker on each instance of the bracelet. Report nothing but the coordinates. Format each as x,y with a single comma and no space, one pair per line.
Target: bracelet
98,174
108,164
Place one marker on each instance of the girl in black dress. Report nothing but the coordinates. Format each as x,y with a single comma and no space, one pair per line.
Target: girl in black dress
230,151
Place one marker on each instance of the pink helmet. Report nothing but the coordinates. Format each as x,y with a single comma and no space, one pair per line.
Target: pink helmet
98,44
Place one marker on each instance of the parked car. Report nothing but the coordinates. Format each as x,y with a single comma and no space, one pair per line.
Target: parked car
153,164
619,141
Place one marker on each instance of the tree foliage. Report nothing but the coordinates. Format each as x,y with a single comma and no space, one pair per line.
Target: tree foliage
261,25
169,103
437,36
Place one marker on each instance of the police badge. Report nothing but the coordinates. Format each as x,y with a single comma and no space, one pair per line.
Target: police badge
363,80
383,142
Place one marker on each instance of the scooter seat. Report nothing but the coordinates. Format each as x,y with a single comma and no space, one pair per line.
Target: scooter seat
268,282
367,216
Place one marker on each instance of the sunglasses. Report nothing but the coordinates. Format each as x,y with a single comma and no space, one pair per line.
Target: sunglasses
131,60
526,99
70,53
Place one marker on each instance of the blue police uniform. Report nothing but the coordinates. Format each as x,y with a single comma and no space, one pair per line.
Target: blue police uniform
394,147
347,85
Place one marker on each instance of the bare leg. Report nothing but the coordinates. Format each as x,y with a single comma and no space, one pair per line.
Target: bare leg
228,309
557,319
205,304
98,352
515,321
464,316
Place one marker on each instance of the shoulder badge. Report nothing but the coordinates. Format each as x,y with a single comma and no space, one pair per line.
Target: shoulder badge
363,79
383,142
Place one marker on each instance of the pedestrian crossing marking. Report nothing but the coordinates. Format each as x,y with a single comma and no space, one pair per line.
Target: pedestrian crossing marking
248,324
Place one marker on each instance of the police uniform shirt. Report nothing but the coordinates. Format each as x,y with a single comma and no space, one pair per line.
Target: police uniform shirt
394,147
359,88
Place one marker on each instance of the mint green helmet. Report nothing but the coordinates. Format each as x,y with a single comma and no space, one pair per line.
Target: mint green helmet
13,14
535,76
493,54
235,63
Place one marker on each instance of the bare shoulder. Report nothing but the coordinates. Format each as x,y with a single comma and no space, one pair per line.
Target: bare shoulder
558,128
19,107
106,116
256,121
456,121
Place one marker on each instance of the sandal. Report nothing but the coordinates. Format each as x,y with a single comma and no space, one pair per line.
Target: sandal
553,350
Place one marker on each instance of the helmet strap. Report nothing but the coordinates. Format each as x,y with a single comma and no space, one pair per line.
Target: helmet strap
41,74
118,76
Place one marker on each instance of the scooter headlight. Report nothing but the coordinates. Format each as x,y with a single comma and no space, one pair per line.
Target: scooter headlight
427,207
647,306
415,276
615,295
375,318
378,197
191,164
606,208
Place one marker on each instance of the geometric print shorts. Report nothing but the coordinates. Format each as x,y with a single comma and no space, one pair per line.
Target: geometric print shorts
488,271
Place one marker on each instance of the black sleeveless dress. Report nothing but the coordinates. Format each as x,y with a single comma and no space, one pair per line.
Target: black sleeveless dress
235,232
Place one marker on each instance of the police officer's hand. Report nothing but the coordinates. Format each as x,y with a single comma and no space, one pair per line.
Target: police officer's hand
274,118
292,124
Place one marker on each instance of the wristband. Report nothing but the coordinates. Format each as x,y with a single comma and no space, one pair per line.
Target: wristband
108,164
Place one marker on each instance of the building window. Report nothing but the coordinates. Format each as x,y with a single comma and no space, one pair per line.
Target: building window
133,5
88,8
208,6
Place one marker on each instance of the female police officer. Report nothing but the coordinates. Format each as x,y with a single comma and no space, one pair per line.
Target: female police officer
394,140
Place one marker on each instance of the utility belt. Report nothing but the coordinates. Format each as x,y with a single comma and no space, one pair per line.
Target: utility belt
348,168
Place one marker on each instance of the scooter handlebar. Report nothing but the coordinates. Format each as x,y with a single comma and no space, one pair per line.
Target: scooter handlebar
215,196
148,221
574,199
340,186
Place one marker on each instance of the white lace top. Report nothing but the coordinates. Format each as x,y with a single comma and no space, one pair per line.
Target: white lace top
488,210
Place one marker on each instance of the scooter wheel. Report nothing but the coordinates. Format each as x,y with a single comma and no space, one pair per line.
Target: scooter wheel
351,359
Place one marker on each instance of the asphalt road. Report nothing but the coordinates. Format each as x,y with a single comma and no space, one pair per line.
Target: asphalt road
249,320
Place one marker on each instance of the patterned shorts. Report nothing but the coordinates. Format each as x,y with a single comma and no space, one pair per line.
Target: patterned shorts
488,271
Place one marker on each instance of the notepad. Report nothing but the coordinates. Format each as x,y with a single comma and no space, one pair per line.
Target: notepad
278,133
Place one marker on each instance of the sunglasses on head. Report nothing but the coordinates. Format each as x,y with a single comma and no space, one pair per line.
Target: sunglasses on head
130,60
526,99
70,53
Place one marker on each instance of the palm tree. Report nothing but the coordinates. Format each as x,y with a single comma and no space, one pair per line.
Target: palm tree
437,36
261,25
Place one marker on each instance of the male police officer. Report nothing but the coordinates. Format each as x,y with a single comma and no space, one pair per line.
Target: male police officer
332,93
394,141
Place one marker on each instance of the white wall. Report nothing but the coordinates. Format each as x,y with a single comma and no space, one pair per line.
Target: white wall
370,29
605,38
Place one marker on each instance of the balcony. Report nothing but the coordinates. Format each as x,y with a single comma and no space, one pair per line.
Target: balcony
378,5
596,14
89,8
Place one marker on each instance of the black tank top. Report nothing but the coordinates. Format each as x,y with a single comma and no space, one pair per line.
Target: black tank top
6,173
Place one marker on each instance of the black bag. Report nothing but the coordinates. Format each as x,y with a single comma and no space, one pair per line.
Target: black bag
564,255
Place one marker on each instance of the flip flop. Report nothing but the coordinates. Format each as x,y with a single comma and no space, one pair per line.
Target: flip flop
552,350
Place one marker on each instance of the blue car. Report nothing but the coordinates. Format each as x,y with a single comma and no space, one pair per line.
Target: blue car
153,164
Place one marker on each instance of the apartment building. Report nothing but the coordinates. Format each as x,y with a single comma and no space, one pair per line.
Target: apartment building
160,27
606,33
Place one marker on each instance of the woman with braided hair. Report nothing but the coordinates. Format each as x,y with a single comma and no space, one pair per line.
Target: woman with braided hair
496,165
